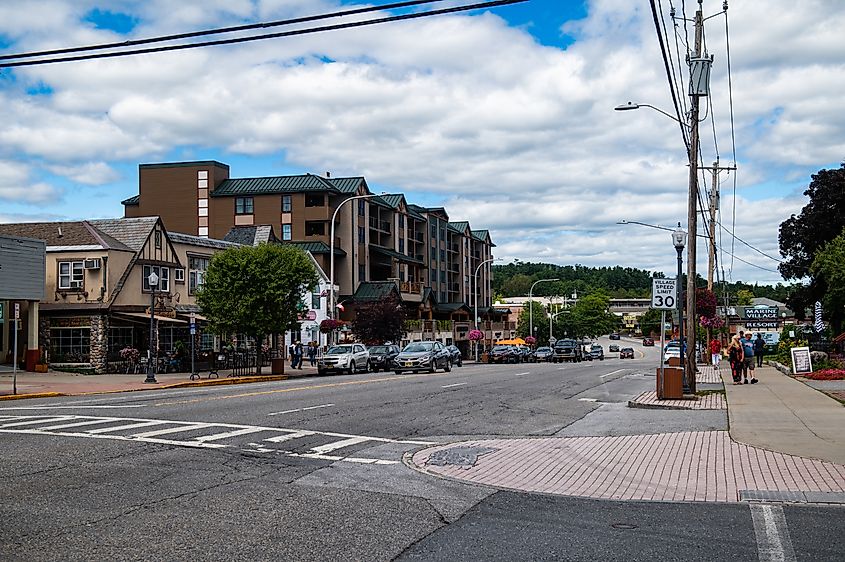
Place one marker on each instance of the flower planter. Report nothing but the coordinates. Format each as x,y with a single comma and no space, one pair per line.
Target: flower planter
41,368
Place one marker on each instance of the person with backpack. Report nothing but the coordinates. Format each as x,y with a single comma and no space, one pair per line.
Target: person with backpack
736,355
759,349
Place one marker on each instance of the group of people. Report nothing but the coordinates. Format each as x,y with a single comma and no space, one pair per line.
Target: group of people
744,354
298,352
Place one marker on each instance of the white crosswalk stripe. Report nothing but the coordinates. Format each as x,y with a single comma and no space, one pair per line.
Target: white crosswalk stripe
284,441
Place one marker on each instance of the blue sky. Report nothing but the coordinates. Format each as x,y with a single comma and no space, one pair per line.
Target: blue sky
503,116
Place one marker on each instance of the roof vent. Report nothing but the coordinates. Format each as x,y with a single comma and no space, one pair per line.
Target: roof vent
60,232
328,174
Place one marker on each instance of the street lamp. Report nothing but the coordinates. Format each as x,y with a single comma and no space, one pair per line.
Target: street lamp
552,321
475,297
152,358
530,303
679,240
331,253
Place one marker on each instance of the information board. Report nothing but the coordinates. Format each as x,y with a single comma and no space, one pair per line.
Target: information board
664,294
801,362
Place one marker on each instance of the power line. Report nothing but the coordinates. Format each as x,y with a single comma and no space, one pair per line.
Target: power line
305,31
216,31
668,72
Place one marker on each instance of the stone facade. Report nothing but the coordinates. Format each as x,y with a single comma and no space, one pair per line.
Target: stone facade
99,350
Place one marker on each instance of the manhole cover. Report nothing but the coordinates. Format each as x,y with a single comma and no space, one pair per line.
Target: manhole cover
624,526
464,457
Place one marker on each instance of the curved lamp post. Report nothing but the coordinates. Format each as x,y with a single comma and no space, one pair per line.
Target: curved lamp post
679,240
152,358
531,302
475,296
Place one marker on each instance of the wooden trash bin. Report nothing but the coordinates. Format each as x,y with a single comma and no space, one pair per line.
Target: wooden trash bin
671,387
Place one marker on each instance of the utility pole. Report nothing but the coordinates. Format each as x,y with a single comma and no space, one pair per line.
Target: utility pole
714,206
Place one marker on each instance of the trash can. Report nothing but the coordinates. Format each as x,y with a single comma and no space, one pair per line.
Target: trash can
485,357
277,366
671,385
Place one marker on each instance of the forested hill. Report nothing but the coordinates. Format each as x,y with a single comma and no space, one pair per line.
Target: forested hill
515,279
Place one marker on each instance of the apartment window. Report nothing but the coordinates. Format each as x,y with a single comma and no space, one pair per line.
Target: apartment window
362,272
362,207
314,200
443,255
443,234
433,231
401,245
286,205
70,345
433,276
362,235
442,276
163,278
71,275
286,234
434,254
315,228
158,238
243,206
196,277
401,220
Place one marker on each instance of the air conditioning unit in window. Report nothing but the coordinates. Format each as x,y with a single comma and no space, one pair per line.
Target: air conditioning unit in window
91,263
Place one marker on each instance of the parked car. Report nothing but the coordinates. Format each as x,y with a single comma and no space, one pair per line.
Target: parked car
672,349
567,350
613,347
626,353
503,354
597,352
349,357
648,342
523,353
543,354
615,336
382,356
422,356
455,355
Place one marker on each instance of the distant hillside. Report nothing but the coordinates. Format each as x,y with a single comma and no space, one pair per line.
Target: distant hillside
515,279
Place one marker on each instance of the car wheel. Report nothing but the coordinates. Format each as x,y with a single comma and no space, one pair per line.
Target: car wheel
321,372
448,366
433,368
460,362
353,368
369,367
397,372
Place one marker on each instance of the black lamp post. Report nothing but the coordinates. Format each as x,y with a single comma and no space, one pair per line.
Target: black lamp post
679,239
152,357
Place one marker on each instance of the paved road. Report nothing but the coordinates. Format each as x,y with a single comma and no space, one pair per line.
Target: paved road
312,469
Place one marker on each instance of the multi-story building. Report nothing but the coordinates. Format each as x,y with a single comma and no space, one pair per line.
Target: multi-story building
432,261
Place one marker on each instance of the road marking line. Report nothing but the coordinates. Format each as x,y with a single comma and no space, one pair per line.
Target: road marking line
71,407
453,385
289,436
588,399
522,374
122,427
611,373
185,427
773,541
235,433
329,447
301,409
48,419
78,424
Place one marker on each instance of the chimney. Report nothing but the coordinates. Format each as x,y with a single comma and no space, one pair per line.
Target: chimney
328,175
60,232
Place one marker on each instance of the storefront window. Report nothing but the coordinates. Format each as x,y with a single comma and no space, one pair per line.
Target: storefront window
120,337
70,345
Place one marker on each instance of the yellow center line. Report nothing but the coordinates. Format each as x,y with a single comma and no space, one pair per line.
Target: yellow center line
298,388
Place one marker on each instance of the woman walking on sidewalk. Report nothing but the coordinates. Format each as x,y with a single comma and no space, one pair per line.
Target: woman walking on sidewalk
736,356
716,352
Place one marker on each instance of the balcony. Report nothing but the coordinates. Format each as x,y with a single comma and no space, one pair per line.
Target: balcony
419,236
382,226
411,290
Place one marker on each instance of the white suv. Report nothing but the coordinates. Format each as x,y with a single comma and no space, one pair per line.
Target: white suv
349,357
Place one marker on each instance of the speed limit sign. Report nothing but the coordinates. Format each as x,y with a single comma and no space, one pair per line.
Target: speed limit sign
664,294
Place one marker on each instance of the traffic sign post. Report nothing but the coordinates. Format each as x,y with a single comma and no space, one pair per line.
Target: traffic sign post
664,294
193,326
17,318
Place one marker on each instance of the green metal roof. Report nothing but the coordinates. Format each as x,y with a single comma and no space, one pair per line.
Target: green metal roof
416,211
349,185
315,247
374,290
395,255
453,307
275,184
393,199
460,226
378,200
453,228
134,200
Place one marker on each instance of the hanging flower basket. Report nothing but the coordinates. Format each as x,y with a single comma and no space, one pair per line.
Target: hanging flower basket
475,335
714,322
328,325
530,340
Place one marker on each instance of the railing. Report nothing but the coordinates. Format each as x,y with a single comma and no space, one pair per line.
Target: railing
429,326
384,226
410,287
418,236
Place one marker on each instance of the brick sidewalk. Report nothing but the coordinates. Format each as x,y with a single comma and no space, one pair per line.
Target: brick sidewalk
715,401
689,466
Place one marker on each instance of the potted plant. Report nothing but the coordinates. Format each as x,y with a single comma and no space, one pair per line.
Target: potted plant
41,366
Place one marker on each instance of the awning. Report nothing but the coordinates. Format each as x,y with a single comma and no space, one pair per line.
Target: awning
516,341
147,317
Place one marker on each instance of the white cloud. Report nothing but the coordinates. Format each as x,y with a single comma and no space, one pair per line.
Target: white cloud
515,136
16,185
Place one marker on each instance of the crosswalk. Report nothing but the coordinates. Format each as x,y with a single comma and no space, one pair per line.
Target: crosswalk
322,445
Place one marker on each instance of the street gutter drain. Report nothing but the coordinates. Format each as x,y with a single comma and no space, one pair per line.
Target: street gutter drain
464,457
624,526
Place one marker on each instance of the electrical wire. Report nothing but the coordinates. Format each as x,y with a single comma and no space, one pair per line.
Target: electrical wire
219,30
680,76
733,131
668,72
305,31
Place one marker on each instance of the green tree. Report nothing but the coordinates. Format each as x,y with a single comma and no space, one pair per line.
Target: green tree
591,317
650,322
743,297
829,267
380,321
802,236
541,323
256,290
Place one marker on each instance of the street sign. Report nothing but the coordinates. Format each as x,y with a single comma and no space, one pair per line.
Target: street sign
193,327
17,311
664,294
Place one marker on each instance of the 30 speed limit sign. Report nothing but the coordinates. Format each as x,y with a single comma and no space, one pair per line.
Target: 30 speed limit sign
664,294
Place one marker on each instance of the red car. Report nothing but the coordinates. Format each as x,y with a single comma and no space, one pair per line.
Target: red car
648,342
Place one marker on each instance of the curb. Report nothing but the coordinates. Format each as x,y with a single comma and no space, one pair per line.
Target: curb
190,384
640,405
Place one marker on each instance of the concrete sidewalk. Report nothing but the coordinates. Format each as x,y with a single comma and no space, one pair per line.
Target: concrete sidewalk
55,383
786,443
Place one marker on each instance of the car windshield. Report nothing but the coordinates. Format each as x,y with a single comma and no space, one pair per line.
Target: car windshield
544,349
418,347
500,348
596,348
631,349
339,350
379,349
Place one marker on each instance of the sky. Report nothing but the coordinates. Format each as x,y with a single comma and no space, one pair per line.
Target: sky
505,116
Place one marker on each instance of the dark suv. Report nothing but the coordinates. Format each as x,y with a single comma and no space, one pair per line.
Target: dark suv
382,356
567,350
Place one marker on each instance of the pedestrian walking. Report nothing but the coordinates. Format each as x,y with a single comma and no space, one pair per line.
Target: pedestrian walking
297,355
312,353
759,349
748,361
716,352
735,358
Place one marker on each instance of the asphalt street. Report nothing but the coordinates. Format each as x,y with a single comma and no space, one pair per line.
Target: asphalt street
313,469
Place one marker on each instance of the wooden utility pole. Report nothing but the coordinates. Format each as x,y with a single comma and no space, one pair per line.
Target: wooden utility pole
714,206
